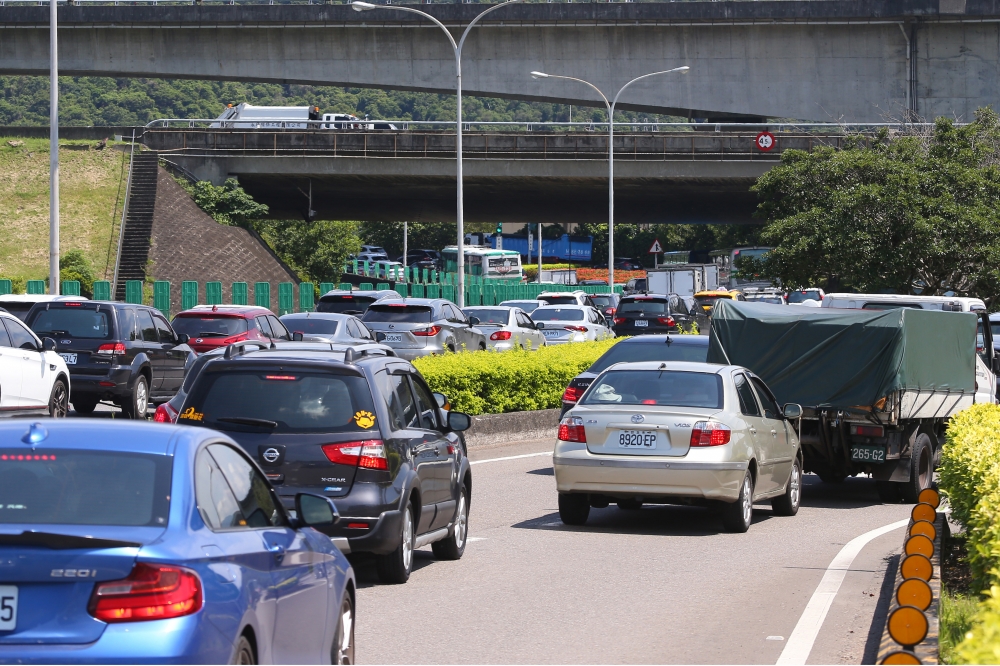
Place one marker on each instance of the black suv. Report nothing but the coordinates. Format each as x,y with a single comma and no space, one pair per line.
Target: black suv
362,429
118,352
656,313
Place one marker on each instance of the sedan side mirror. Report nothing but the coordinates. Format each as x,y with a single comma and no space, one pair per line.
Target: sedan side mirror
315,510
442,400
48,344
379,337
297,336
473,321
792,411
183,338
459,422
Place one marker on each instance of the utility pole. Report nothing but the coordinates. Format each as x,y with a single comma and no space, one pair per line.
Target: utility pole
53,150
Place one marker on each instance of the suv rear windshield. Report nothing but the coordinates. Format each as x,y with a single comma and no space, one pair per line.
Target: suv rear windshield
488,315
74,322
647,305
399,313
310,325
557,314
280,400
603,301
706,302
209,326
84,487
643,351
17,308
657,387
802,296
344,304
560,300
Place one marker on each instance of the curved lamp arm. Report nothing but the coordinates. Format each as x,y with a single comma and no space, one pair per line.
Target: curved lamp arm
543,75
461,42
367,6
646,76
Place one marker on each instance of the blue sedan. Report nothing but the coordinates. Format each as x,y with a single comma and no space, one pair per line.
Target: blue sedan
126,542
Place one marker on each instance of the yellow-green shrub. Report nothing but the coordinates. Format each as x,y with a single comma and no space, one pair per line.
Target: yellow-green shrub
491,382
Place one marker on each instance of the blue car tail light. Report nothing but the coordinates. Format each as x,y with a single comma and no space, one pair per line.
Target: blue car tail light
151,592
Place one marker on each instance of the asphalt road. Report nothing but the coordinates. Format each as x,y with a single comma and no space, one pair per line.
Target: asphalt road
663,584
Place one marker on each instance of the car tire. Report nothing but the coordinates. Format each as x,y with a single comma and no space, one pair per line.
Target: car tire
482,346
343,639
244,652
452,547
921,469
574,508
131,408
629,504
59,400
888,492
84,406
788,503
394,568
736,516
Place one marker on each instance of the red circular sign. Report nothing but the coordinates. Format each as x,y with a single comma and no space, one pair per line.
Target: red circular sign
766,141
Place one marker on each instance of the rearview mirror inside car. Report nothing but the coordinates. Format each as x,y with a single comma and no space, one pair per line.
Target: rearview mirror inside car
792,411
315,510
48,344
459,422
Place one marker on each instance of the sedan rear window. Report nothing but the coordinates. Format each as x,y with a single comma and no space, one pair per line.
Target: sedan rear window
670,388
17,308
72,322
280,400
84,487
559,300
557,314
399,313
646,305
487,316
310,325
603,301
344,304
625,352
200,326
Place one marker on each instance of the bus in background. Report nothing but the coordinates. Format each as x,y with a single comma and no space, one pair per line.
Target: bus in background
486,262
728,262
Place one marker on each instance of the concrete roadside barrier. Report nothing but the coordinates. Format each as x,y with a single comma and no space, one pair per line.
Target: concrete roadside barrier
493,429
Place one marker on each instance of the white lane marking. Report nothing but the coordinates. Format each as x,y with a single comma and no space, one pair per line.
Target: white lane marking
775,638
800,643
526,455
471,539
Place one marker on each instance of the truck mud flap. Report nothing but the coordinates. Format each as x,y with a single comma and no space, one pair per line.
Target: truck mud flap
892,470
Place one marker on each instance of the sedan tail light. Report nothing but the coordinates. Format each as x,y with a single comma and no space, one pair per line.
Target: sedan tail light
367,453
619,320
571,394
242,337
571,430
427,332
151,592
112,348
710,433
500,335
666,321
578,329
165,414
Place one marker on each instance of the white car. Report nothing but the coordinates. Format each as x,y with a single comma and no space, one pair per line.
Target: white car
678,432
577,297
33,378
528,306
506,328
571,323
19,304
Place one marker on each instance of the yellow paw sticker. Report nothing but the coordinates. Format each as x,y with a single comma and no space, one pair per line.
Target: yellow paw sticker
364,419
192,415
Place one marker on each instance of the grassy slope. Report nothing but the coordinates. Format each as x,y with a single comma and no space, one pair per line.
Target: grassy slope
88,185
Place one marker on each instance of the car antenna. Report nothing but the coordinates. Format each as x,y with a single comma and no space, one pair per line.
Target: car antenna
273,346
349,355
669,340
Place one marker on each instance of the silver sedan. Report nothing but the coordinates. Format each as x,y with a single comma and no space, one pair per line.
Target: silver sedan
328,327
571,323
506,328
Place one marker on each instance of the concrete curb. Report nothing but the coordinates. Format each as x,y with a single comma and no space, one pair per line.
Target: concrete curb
490,429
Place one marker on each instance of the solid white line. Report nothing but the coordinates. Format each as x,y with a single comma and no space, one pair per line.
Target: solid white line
800,643
526,455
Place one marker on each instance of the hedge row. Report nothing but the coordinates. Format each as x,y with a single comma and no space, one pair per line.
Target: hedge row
511,381
970,477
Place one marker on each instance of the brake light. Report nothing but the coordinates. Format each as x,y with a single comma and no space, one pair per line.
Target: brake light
236,338
367,453
710,433
427,332
571,394
281,378
72,304
112,348
619,320
867,431
165,414
666,321
578,329
571,430
500,335
151,592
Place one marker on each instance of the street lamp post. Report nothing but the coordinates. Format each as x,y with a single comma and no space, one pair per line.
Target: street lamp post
53,150
457,47
611,152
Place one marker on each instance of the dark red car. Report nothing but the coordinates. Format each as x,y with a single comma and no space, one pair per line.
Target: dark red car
212,326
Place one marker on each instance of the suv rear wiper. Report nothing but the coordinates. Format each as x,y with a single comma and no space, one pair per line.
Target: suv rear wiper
246,420
62,541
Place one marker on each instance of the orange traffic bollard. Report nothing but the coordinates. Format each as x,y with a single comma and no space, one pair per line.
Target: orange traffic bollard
917,566
914,592
923,512
908,625
901,657
930,496
919,543
924,527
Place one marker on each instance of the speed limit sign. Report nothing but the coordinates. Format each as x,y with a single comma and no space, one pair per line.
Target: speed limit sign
765,141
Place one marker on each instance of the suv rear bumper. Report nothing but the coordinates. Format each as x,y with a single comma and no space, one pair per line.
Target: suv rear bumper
117,382
381,536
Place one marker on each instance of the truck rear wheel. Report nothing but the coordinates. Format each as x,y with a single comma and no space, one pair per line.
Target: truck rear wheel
921,469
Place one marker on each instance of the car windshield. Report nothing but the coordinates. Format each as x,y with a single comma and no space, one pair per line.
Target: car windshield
209,326
527,306
72,487
625,352
559,300
17,308
889,306
646,305
399,313
74,322
603,301
557,314
777,300
802,296
488,316
656,387
310,325
344,304
706,302
280,400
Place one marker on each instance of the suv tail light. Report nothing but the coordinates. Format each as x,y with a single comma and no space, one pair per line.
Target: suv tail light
571,430
112,348
151,592
710,433
571,394
500,335
619,320
666,321
165,414
427,332
367,453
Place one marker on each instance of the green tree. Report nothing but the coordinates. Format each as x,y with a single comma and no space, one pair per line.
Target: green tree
228,203
74,265
903,214
315,250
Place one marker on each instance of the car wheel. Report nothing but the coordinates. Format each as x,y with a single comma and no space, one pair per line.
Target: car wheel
788,504
135,408
59,400
629,504
84,406
453,546
736,516
482,346
574,508
343,640
921,470
244,652
395,567
888,492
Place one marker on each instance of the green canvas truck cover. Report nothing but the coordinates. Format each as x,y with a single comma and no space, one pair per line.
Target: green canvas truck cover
832,358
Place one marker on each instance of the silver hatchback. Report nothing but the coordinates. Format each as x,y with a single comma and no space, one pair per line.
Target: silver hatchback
416,327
